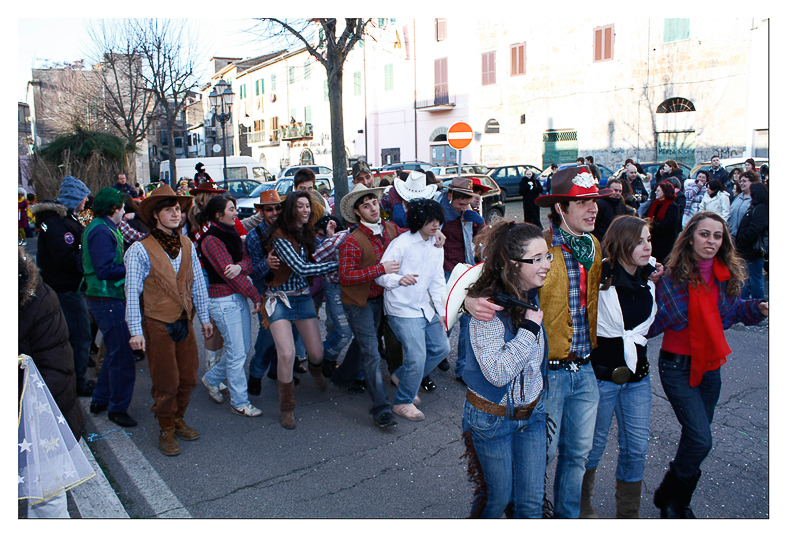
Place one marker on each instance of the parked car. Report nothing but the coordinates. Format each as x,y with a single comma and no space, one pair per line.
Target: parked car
729,164
323,172
493,209
239,188
237,168
466,169
508,178
604,173
653,167
408,165
245,205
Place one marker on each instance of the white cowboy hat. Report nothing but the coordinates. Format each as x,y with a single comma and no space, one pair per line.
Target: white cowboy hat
415,187
461,278
359,190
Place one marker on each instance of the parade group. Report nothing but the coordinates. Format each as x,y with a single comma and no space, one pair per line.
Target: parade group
552,324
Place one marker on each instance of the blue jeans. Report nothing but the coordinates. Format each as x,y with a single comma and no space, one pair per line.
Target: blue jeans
364,323
264,356
424,345
753,286
631,403
76,313
512,456
341,335
231,315
115,384
694,408
465,332
571,403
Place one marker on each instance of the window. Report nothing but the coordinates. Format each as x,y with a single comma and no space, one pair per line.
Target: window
603,43
518,59
488,68
257,87
273,82
292,113
440,29
441,81
760,143
675,104
307,70
259,125
307,114
492,126
388,74
357,83
242,91
676,30
291,74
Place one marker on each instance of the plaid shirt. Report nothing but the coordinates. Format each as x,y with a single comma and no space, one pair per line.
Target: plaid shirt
581,337
130,235
694,195
350,259
301,266
215,253
673,307
137,263
254,246
329,250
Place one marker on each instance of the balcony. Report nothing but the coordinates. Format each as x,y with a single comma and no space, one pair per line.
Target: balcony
295,132
441,101
263,138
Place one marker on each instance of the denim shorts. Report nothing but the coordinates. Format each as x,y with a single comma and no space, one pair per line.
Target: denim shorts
301,307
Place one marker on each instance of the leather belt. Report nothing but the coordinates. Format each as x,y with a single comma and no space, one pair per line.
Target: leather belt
621,374
520,413
572,363
673,357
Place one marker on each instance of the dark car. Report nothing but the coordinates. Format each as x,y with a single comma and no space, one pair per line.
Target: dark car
604,173
653,167
508,178
492,208
245,205
239,188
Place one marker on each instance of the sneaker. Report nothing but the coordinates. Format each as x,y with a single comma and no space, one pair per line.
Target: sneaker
247,410
122,419
222,387
385,420
408,411
213,391
444,365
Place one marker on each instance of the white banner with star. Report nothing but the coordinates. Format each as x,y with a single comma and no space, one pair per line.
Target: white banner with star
50,458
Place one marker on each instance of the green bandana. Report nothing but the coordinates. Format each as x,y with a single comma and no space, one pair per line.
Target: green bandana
582,247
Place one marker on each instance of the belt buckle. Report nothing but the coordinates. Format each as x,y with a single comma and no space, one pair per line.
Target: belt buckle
621,375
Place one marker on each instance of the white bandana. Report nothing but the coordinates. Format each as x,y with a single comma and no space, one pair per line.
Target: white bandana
376,228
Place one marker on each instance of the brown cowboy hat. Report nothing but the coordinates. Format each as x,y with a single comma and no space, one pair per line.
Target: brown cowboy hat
165,191
572,183
462,184
269,197
207,186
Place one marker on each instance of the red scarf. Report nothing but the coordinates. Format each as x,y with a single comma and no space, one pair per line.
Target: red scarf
707,337
658,207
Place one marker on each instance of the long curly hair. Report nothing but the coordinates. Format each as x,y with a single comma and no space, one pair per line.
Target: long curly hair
198,204
507,240
683,267
287,221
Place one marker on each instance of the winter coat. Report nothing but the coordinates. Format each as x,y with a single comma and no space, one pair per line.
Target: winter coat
677,180
608,209
754,225
530,189
720,204
43,335
665,232
60,237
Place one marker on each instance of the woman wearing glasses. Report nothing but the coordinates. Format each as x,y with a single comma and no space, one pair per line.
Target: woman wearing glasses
625,311
503,419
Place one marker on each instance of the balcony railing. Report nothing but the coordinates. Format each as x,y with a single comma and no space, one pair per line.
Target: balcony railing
441,100
296,131
263,138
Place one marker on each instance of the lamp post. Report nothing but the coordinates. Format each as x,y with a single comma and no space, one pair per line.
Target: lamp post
222,95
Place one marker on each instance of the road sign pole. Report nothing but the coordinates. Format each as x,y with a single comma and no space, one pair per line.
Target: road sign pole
459,163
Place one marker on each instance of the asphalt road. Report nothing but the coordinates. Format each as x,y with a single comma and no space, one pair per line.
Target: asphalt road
338,464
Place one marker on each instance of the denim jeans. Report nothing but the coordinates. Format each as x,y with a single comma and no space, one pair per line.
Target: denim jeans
75,310
341,335
512,456
631,403
264,356
364,324
465,332
424,345
694,408
115,384
571,402
231,315
753,286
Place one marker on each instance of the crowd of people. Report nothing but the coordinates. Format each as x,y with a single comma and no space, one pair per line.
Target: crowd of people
553,324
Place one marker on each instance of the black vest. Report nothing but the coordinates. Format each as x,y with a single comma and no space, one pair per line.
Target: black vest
232,241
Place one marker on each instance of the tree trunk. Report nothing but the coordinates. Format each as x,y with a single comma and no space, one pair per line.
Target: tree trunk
338,156
171,142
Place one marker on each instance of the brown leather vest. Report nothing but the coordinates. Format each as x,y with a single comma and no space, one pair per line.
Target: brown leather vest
165,295
284,271
358,295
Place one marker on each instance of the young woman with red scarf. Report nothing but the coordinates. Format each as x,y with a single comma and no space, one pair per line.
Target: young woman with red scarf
697,299
664,213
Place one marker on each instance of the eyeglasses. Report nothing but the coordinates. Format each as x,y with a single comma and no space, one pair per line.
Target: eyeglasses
536,261
269,208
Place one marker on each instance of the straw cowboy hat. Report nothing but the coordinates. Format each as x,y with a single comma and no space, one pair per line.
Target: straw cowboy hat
165,191
572,183
206,186
269,197
415,187
359,191
462,184
462,277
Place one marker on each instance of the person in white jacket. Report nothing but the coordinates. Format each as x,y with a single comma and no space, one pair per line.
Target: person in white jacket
716,199
414,300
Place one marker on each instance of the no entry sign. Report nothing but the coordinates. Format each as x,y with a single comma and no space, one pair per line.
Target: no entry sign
460,135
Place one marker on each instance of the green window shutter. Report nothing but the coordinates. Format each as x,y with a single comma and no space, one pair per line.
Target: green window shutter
307,70
357,83
256,88
388,71
676,30
307,114
291,71
262,86
273,82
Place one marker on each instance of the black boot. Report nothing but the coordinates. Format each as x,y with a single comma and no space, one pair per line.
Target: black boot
674,494
254,386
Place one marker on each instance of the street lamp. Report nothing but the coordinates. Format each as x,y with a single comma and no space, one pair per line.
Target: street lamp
221,96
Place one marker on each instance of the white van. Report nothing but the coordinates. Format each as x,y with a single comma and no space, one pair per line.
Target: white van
237,168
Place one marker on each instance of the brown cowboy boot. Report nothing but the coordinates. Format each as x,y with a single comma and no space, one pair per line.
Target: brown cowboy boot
184,431
286,404
168,442
317,374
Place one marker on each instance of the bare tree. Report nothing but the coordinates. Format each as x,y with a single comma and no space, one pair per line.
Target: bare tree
72,100
168,54
332,48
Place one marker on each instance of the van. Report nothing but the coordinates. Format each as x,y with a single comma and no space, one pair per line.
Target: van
237,168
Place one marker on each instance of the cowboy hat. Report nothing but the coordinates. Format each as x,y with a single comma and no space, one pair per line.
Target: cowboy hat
359,191
572,183
462,277
165,191
462,184
478,183
269,197
415,187
207,186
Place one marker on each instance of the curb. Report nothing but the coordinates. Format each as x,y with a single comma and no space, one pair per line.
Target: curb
96,498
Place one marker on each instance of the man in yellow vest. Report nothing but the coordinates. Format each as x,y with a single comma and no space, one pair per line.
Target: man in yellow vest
164,269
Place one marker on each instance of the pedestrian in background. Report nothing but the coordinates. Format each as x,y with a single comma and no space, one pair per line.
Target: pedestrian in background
531,189
664,215
752,233
716,200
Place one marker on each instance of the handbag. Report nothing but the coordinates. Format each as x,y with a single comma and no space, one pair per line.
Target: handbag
762,244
